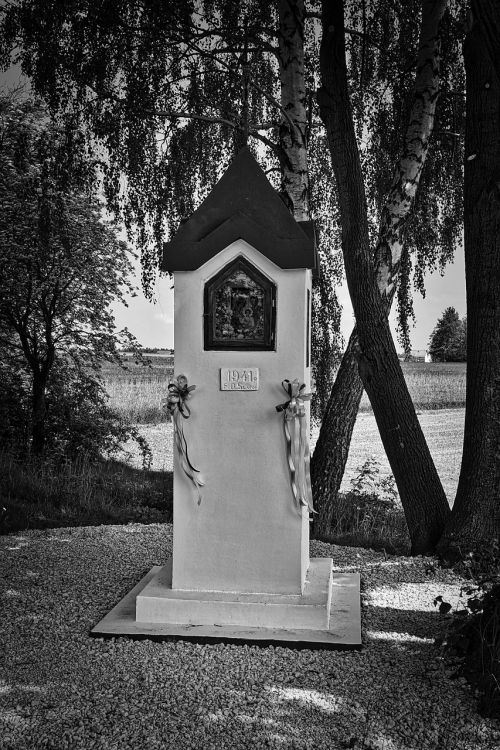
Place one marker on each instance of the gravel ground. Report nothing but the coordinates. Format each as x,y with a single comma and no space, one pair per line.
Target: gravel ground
59,688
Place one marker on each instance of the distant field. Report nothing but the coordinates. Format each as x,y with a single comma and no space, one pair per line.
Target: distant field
160,365
432,385
137,392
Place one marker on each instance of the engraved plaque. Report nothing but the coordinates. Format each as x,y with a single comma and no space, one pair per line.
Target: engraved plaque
239,378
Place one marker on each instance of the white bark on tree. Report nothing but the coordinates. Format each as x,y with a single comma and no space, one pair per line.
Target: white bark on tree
328,463
295,179
424,502
408,171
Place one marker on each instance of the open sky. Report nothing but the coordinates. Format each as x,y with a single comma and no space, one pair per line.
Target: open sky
152,322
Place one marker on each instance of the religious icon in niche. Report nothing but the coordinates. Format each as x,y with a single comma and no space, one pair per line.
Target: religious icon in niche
239,308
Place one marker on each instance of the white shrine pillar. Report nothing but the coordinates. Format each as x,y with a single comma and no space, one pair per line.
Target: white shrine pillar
247,534
240,569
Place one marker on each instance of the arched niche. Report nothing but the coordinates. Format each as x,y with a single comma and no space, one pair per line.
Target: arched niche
240,309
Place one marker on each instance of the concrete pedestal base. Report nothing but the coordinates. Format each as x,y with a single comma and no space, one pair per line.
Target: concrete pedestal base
159,603
327,615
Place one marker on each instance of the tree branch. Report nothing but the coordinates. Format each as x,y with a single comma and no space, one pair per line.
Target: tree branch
363,35
220,121
251,82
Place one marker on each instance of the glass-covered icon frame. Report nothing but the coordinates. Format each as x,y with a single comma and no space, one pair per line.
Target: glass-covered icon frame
240,309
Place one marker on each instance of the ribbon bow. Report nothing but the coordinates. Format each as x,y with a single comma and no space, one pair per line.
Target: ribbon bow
175,403
298,455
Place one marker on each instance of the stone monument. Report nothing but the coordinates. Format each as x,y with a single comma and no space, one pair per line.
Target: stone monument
240,568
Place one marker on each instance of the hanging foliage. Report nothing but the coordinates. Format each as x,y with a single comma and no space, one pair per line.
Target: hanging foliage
165,89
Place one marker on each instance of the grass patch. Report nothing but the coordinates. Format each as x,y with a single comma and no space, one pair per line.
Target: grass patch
370,514
45,494
367,521
138,401
443,432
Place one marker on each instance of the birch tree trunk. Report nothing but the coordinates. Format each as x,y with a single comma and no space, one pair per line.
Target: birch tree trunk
330,455
371,285
295,179
475,519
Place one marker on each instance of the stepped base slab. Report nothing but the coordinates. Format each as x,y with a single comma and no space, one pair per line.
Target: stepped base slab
159,603
340,625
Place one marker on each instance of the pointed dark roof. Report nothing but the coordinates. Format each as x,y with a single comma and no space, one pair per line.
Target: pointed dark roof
243,204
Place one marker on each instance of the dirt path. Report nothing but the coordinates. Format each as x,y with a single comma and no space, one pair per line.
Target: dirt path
443,429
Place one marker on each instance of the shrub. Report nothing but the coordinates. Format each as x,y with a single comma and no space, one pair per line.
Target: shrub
473,637
369,481
14,408
81,422
370,514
